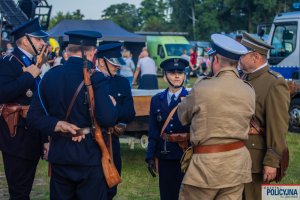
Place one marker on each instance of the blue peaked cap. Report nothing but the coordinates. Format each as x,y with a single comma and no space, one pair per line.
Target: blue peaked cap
32,28
111,52
82,37
174,64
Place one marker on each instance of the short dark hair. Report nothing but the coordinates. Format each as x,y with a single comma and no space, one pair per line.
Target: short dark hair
73,48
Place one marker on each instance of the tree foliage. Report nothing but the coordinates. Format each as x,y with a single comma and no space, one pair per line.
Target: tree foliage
61,16
200,18
124,14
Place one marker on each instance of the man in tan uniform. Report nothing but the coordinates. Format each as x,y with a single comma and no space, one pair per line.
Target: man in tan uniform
219,111
271,115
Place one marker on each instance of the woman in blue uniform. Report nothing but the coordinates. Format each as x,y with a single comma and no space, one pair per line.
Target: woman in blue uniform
163,144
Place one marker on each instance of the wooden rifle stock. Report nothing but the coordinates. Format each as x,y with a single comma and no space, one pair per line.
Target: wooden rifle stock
110,172
41,58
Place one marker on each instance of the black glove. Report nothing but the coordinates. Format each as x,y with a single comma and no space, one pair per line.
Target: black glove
151,167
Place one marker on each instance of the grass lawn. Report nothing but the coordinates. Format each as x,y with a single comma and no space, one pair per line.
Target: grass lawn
137,183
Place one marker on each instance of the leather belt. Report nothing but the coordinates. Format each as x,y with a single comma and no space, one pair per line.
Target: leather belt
176,137
215,148
256,131
82,131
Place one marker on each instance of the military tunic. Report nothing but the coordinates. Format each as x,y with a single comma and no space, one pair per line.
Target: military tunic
120,89
170,175
73,163
272,105
219,110
21,153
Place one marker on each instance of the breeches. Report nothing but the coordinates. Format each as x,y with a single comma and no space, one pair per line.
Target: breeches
188,192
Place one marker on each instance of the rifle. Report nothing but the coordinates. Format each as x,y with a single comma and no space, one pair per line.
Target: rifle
41,58
110,172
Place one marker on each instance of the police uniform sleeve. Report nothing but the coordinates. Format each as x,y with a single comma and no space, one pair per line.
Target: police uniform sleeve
13,82
37,117
126,110
154,132
277,116
186,107
105,112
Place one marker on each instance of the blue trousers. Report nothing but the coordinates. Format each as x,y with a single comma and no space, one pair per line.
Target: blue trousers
70,182
170,178
19,175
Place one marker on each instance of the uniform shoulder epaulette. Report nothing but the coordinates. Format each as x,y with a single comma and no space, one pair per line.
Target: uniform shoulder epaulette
202,78
275,74
248,83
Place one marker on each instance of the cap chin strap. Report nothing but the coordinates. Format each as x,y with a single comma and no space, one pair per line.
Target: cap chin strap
172,83
212,63
105,63
32,45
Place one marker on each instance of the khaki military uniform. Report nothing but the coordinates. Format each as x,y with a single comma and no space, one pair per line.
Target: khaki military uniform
219,110
272,105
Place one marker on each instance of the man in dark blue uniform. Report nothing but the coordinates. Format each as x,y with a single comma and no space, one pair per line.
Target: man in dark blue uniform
21,147
76,171
109,62
163,143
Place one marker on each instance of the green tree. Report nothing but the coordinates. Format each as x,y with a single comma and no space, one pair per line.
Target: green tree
153,15
124,14
211,16
61,16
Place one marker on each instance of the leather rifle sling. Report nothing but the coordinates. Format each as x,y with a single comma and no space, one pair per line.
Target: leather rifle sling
168,119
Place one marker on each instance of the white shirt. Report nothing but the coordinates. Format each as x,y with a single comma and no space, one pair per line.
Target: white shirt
170,94
26,53
260,67
127,70
147,66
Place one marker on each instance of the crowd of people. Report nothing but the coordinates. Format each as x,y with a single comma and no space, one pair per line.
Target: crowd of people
221,140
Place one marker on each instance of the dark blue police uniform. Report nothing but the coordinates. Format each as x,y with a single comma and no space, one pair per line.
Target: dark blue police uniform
76,166
170,175
20,153
119,88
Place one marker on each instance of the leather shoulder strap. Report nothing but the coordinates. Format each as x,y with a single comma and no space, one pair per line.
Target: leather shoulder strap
73,100
168,119
18,60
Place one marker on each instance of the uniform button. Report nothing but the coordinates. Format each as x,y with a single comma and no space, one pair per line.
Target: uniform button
171,131
119,94
253,144
171,125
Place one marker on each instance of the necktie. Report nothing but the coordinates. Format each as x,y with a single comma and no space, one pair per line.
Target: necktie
173,101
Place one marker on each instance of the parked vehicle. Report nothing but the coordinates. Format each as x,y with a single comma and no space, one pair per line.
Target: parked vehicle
285,58
163,47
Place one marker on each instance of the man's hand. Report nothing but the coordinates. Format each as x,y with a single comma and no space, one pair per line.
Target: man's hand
46,151
151,167
119,129
33,70
113,100
269,173
66,127
78,138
